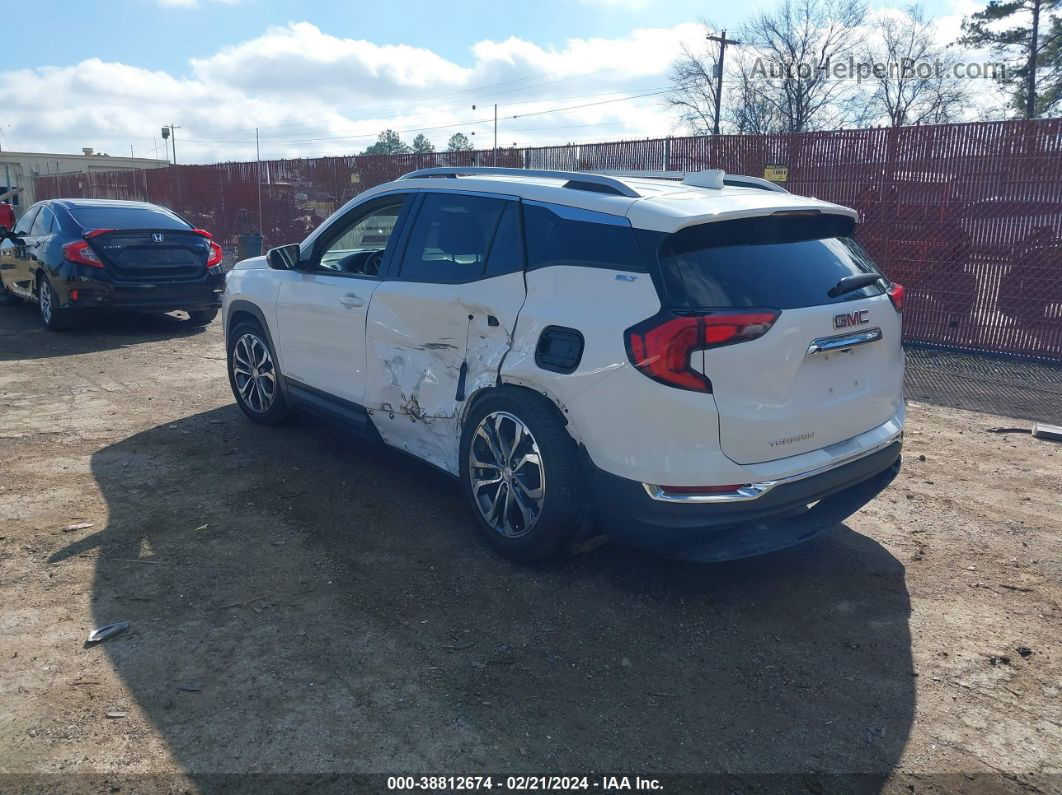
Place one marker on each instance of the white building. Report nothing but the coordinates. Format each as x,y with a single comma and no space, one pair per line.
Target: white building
17,170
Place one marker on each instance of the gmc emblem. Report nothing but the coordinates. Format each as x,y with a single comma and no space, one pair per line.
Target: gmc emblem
851,319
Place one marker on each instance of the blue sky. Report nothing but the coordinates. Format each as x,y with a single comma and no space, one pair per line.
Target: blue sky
161,35
324,77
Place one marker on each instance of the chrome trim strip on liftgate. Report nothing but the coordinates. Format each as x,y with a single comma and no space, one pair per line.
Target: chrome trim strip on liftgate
843,341
752,491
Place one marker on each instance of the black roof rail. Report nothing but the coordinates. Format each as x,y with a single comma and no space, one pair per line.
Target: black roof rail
576,180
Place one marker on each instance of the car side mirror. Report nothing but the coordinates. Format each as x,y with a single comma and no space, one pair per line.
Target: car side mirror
284,258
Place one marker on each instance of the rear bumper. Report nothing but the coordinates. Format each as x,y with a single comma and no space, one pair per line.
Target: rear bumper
97,290
725,531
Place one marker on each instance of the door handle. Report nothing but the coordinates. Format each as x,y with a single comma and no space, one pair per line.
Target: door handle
351,300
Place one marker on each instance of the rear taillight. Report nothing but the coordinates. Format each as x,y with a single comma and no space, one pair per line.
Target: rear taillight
214,259
97,232
81,252
215,255
896,295
661,346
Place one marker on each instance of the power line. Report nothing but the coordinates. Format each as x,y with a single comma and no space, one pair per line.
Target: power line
462,123
461,92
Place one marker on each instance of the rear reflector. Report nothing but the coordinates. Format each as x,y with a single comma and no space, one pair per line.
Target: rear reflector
896,295
702,489
661,346
81,252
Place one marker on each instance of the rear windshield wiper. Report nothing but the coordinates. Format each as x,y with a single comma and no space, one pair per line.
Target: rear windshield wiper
851,283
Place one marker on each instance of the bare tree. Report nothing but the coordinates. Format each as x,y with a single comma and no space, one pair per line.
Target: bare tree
787,57
911,77
693,77
746,109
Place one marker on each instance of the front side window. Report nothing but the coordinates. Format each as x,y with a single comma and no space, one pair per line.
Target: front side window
360,247
22,228
451,238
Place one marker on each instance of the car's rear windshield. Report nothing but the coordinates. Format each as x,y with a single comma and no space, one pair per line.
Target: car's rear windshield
103,217
763,265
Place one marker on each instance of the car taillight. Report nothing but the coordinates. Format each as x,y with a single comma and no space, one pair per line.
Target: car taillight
661,346
81,252
96,232
215,255
896,295
214,259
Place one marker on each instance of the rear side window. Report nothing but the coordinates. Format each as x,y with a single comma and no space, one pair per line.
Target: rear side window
781,273
104,217
559,235
42,225
451,238
507,251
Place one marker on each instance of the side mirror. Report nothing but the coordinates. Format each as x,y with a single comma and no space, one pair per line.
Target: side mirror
284,258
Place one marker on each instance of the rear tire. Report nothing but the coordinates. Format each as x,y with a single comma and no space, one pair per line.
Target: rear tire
254,376
521,476
54,317
202,317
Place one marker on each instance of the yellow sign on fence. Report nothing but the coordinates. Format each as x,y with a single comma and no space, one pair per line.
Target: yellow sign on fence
355,178
776,173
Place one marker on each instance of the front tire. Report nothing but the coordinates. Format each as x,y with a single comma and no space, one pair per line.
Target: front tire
520,473
54,317
254,376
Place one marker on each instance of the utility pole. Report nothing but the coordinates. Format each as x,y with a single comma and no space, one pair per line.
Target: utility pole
723,41
258,174
168,132
1030,91
495,158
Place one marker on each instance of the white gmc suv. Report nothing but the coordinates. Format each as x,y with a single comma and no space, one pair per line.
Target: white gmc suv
706,365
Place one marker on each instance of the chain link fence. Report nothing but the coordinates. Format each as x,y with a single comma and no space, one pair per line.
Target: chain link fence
967,216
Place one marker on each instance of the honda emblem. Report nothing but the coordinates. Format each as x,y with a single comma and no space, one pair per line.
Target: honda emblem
851,319
157,237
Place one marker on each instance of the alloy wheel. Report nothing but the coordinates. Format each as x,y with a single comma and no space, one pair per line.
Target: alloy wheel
254,374
44,299
506,474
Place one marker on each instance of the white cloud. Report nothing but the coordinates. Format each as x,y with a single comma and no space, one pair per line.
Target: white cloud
310,92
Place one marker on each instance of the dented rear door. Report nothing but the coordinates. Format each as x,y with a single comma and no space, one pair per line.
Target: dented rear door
440,325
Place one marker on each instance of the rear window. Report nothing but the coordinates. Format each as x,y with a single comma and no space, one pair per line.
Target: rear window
101,217
709,268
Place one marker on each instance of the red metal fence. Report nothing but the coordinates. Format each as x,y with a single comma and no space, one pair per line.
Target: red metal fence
967,216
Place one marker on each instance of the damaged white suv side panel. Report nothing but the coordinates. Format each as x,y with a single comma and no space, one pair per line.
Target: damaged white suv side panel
706,366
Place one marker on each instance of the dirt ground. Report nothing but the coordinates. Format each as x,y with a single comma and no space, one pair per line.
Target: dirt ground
303,604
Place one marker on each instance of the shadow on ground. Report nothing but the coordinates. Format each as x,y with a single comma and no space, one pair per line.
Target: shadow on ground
1009,387
301,603
25,338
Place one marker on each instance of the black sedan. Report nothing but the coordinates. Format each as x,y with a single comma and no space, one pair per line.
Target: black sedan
72,255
